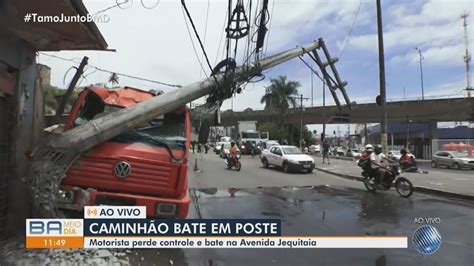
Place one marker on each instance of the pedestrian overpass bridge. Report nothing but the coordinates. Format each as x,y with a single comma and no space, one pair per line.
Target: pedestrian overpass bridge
455,109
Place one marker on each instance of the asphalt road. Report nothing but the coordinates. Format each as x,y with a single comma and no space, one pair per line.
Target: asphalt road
454,181
316,204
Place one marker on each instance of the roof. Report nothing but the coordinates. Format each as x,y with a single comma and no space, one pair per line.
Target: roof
50,36
124,97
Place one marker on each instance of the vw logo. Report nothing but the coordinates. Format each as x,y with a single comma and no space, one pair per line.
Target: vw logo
122,169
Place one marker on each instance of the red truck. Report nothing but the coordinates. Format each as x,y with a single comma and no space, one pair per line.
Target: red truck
145,166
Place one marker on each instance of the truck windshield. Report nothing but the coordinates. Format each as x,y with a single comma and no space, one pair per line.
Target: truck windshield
250,135
165,131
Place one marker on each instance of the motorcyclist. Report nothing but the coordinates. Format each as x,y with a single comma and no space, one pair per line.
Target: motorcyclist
253,148
364,161
407,162
377,159
232,152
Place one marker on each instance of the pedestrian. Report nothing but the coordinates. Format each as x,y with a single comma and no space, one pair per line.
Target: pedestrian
326,148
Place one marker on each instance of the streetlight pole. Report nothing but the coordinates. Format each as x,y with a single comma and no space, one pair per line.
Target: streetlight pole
301,121
312,89
324,111
421,74
383,99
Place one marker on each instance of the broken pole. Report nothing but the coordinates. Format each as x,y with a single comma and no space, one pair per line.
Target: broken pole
70,89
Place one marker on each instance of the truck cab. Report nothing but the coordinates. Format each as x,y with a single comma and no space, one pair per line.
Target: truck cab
143,166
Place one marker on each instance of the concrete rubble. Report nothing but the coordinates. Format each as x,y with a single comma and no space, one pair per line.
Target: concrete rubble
13,252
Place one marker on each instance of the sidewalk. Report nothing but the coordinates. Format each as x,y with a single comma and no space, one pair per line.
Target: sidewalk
459,184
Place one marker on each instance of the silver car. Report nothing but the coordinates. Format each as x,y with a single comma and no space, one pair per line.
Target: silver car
451,159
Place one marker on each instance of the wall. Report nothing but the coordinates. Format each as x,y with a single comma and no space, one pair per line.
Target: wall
19,56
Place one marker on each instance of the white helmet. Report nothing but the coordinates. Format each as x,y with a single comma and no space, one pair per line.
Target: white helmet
369,147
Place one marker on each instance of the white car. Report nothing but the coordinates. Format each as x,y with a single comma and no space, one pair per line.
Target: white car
395,155
217,148
314,149
290,158
354,153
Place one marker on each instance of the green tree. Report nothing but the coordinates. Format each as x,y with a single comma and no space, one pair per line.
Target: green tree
114,79
280,96
52,97
273,130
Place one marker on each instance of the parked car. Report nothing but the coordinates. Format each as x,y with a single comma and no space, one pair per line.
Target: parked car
290,158
315,149
395,155
339,151
354,153
451,159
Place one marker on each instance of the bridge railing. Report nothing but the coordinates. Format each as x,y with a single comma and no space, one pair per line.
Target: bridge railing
372,101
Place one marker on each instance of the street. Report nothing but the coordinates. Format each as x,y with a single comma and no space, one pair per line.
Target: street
450,180
316,204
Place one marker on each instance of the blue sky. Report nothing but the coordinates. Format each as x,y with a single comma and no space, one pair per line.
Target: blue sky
154,44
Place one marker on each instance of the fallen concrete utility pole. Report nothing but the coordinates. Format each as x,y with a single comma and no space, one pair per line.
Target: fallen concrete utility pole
51,161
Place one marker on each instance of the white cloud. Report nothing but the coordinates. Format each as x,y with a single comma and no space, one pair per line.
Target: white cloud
441,56
436,24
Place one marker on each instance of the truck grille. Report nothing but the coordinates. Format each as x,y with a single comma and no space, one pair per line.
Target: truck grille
104,200
146,177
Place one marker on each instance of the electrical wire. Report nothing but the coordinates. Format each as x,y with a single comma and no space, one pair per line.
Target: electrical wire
205,28
351,29
269,26
119,74
220,40
197,36
192,43
312,70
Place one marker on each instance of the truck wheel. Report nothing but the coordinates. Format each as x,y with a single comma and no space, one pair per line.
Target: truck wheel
265,163
286,167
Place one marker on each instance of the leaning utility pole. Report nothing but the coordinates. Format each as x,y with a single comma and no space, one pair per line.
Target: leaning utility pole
383,122
467,56
67,95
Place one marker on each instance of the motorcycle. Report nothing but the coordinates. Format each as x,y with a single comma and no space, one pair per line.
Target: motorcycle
233,162
392,179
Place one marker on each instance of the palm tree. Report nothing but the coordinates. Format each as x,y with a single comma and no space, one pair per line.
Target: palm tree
280,95
114,79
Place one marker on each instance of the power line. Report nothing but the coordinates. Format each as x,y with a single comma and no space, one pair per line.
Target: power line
352,28
269,26
192,43
312,70
222,35
205,28
197,34
119,74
